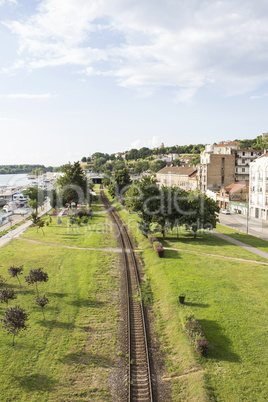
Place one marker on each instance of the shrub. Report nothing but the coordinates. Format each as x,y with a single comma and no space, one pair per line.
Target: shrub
14,272
159,249
83,212
7,294
202,347
195,332
14,321
152,239
194,329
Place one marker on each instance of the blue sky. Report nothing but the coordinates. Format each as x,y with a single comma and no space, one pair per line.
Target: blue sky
80,76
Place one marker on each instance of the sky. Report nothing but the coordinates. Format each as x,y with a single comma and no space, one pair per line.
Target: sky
85,76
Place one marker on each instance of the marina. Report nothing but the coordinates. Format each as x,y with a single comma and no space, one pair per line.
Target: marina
12,199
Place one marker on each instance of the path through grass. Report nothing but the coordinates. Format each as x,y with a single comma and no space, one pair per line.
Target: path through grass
69,355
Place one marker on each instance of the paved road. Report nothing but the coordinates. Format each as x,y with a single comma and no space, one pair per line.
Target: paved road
253,226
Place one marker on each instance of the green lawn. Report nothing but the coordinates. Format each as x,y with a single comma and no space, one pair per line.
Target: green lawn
69,355
96,233
246,238
228,298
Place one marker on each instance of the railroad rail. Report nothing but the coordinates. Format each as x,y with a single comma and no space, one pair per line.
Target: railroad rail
139,375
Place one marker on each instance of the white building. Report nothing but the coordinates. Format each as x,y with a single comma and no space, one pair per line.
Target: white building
258,187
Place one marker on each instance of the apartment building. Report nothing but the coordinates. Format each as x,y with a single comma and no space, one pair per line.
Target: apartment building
217,167
243,158
178,176
258,187
223,164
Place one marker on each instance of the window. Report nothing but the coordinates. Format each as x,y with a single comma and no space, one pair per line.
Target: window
243,153
243,170
251,153
243,161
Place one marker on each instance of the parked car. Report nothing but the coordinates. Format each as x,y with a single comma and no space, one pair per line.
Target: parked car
226,211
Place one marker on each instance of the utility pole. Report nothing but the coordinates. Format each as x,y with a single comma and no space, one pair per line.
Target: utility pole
247,211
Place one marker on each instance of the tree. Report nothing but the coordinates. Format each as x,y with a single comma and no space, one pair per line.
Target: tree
14,272
40,223
120,180
157,165
98,164
132,154
84,159
14,321
72,187
202,212
36,275
141,166
42,302
7,294
36,197
119,165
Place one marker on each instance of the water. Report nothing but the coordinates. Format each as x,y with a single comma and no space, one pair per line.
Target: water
14,180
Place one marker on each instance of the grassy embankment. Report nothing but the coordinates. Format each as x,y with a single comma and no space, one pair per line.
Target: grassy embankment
69,355
246,238
227,297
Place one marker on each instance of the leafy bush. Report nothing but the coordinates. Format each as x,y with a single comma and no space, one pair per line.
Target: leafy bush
159,249
14,321
202,347
194,329
7,294
15,271
195,332
36,275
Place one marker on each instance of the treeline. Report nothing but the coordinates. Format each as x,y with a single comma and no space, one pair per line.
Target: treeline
15,169
30,169
146,153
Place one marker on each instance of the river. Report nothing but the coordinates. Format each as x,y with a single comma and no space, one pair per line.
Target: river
14,180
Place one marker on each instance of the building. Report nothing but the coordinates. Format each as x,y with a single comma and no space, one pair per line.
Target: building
178,176
258,187
234,197
216,169
243,157
224,163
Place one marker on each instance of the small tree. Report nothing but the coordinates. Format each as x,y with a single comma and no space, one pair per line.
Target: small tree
36,275
14,272
14,321
40,223
42,302
7,294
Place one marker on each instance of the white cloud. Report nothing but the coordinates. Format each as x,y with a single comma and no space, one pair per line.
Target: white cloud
149,45
31,96
151,143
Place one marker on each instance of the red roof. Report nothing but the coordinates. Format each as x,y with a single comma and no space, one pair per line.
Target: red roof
238,185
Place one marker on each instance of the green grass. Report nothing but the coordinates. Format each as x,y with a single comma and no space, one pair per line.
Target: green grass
228,298
96,233
245,238
229,301
67,356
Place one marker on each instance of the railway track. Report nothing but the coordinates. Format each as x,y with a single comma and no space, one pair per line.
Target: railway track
139,376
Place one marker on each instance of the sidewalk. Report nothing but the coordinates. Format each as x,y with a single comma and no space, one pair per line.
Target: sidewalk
241,244
14,233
